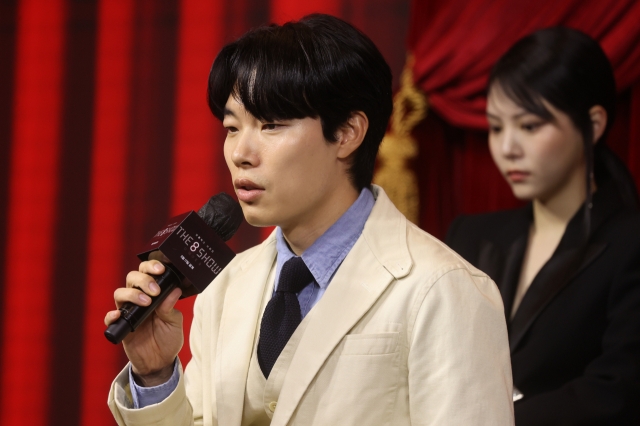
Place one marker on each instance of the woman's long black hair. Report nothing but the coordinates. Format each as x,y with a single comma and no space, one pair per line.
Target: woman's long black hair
568,69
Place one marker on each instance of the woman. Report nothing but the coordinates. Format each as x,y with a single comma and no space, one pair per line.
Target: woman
568,264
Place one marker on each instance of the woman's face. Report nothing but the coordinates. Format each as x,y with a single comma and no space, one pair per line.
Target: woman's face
540,159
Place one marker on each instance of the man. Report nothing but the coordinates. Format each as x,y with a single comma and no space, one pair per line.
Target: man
347,314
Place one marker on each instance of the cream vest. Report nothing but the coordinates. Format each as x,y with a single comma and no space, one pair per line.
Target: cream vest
261,395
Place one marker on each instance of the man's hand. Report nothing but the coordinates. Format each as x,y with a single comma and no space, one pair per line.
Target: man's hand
153,347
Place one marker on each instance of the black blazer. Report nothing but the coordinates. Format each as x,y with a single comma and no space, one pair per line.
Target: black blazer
575,338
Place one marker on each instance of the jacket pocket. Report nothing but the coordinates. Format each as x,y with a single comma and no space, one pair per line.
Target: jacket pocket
357,385
369,344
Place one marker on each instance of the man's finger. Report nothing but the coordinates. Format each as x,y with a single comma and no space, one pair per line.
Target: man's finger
143,281
165,309
153,267
111,317
133,295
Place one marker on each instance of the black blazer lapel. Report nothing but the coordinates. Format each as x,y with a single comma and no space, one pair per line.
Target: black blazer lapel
503,266
500,256
573,254
552,278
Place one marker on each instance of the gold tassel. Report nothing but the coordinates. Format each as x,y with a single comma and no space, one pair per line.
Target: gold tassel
398,146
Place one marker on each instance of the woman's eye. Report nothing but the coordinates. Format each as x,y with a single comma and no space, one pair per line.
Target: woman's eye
494,129
531,127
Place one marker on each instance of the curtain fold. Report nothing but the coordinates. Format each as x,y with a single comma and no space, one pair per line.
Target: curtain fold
455,43
104,134
32,211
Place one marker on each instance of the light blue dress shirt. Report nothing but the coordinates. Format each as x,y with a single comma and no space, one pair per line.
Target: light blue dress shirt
323,259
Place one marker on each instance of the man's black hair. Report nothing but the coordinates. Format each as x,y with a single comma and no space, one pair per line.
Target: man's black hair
318,67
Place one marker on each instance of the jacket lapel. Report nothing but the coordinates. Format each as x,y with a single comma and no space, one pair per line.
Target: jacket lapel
503,267
501,258
563,266
238,325
379,256
574,253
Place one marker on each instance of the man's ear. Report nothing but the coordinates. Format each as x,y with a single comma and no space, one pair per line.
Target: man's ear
351,134
598,120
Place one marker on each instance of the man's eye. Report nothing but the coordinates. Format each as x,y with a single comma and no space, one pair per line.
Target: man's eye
231,129
495,129
271,126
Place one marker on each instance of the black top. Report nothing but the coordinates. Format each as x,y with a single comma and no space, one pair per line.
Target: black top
575,338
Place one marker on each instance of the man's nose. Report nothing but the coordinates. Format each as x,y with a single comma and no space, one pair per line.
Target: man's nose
244,153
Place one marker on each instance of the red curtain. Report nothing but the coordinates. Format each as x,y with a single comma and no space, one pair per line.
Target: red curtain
105,133
455,44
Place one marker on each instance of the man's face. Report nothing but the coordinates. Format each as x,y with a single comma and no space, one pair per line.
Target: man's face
285,173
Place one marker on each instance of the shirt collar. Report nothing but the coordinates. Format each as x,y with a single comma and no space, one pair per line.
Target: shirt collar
329,250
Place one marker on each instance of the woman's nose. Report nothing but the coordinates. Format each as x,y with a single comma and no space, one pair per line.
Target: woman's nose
510,145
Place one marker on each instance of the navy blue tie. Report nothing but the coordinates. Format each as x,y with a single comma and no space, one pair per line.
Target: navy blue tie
282,315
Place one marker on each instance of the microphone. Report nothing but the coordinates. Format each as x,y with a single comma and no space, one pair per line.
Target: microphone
194,243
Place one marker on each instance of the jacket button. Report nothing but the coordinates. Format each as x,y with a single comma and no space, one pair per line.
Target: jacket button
272,406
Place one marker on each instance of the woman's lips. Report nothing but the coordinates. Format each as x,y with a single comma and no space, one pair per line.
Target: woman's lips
247,191
517,176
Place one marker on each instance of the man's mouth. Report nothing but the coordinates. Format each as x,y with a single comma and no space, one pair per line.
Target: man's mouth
247,190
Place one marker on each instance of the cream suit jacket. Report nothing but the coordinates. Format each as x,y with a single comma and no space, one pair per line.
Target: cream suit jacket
407,333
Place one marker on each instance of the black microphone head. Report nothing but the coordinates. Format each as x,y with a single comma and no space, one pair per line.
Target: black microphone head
223,214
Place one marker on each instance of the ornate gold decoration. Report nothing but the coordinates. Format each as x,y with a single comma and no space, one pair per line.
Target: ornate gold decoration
398,146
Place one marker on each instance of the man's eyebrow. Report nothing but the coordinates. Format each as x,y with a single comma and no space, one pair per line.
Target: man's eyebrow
226,111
